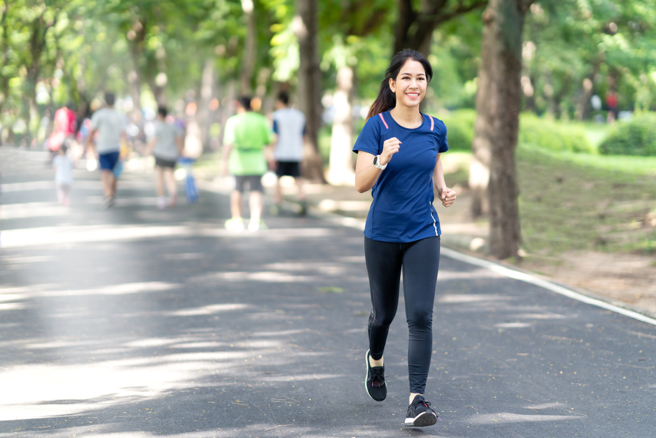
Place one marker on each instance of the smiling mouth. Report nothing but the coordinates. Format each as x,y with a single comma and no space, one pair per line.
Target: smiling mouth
413,95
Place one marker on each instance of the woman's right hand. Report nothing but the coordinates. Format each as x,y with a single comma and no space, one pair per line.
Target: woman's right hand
390,147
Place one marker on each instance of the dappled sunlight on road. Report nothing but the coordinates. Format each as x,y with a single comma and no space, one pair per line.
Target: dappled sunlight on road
32,210
265,277
209,309
470,298
507,417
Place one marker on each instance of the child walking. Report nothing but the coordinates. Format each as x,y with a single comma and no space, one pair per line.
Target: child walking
63,166
399,160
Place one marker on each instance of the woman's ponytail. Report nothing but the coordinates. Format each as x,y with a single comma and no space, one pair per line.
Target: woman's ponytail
386,99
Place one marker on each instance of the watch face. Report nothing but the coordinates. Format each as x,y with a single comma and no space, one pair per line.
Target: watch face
376,160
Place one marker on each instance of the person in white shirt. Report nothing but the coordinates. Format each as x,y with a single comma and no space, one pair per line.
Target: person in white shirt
166,146
289,130
63,166
110,126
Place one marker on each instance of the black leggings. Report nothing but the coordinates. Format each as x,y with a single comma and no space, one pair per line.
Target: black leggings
420,262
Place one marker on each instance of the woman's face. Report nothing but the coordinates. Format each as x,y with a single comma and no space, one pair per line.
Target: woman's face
410,84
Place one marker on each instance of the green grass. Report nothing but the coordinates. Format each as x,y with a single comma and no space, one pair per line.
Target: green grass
636,165
586,202
596,132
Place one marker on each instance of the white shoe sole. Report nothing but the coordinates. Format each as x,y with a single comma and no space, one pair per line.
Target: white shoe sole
422,420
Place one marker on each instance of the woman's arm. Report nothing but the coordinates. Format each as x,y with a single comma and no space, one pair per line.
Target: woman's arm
366,174
446,195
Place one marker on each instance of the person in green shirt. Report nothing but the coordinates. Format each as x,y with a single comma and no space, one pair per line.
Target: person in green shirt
247,134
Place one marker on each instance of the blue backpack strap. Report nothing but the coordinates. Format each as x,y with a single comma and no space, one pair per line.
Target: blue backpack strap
384,122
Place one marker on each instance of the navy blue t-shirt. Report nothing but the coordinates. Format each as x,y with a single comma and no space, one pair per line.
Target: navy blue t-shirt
402,209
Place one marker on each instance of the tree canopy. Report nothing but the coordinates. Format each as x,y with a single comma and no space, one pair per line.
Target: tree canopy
150,51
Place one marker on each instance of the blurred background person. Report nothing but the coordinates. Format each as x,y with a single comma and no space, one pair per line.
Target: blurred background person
63,166
288,129
166,146
247,134
65,125
110,126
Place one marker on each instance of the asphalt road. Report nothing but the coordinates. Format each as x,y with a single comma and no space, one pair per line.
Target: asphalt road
136,322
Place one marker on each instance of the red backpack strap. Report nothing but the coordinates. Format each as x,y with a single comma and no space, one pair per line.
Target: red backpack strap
384,122
432,123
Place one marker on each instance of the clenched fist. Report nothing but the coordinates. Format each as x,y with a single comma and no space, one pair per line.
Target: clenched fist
447,196
390,147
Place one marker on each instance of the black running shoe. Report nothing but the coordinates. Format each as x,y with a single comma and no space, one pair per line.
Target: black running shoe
375,381
420,414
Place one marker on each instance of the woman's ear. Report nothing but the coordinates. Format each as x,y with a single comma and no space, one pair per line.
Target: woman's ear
392,85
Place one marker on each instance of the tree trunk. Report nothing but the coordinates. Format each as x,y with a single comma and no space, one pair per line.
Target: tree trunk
583,107
4,79
203,115
498,105
158,91
225,110
134,86
306,28
136,47
341,164
414,28
250,48
552,109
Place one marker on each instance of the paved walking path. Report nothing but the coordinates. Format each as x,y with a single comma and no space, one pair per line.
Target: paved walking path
136,322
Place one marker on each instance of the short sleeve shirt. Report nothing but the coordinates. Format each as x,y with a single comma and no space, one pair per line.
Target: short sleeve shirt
110,124
289,124
248,133
402,209
63,169
166,135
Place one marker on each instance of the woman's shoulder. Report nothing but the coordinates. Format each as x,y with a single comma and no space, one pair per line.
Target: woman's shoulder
376,124
379,119
436,125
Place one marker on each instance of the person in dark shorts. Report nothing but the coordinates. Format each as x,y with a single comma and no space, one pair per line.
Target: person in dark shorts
110,126
166,146
399,152
289,131
247,134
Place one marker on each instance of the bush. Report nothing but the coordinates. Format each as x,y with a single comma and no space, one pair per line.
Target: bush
459,129
538,132
637,137
551,135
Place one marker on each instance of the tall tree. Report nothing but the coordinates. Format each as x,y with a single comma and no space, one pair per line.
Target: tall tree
306,29
498,104
415,26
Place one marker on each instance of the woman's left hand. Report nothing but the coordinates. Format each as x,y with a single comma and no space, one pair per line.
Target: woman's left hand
447,196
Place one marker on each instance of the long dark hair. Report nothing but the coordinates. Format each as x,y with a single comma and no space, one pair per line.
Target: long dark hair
386,99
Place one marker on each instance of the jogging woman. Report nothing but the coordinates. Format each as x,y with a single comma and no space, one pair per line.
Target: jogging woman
399,159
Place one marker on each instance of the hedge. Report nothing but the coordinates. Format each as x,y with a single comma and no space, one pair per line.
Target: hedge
459,129
637,137
534,131
551,135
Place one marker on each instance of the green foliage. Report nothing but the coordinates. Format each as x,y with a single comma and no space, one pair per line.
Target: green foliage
459,129
553,136
574,49
637,137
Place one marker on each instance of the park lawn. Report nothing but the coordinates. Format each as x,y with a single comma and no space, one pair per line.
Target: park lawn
571,202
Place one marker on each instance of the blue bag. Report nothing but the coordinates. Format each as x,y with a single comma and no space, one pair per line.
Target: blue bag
190,183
